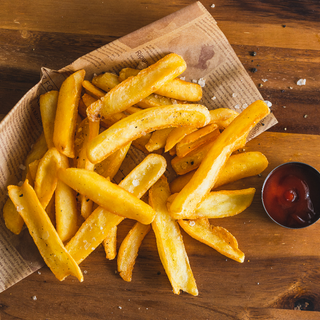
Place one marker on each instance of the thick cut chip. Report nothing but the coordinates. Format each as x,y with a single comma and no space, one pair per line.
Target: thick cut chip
107,194
140,123
170,245
66,207
238,166
217,238
110,243
12,218
196,139
43,232
48,108
175,89
222,117
106,81
133,89
158,139
67,112
99,224
206,175
176,135
46,178
220,204
129,248
110,166
92,90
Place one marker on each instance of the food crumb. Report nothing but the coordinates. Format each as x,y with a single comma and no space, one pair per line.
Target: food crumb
260,85
268,103
305,116
20,183
301,82
202,82
192,223
34,298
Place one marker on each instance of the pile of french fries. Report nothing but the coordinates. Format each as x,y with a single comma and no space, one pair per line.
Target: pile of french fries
70,204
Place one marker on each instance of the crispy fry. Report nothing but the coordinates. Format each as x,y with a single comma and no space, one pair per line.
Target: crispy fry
33,167
46,178
132,90
66,207
140,123
222,117
43,233
158,139
110,166
196,139
12,218
207,173
106,81
175,89
154,100
98,225
169,241
220,204
48,107
110,243
50,210
217,238
238,166
92,89
128,250
107,194
176,135
66,115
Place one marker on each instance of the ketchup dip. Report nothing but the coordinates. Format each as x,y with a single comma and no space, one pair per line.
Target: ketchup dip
291,195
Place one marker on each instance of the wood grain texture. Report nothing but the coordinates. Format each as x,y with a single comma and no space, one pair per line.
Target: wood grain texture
281,270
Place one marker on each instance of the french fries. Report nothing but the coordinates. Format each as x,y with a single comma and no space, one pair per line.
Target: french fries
70,168
169,242
145,121
43,233
206,175
132,90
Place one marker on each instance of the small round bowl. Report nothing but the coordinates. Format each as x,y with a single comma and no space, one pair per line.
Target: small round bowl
290,195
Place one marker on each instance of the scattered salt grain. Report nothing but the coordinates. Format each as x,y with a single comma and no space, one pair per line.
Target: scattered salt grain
135,182
236,106
141,65
301,82
245,105
20,183
34,298
174,101
85,271
214,98
202,82
183,78
264,80
268,103
192,223
234,95
120,307
212,6
39,272
194,81
22,167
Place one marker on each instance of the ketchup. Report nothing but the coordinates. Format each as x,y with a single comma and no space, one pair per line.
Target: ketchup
291,195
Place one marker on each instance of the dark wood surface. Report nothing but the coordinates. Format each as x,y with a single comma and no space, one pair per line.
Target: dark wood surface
281,270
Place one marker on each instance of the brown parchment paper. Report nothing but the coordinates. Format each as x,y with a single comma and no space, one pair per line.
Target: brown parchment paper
190,32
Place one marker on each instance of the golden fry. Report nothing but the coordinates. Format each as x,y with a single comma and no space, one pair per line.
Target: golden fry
140,123
107,194
128,250
220,204
92,89
176,135
132,90
43,232
217,238
46,178
158,139
48,108
110,243
106,81
170,245
67,112
238,166
12,218
206,175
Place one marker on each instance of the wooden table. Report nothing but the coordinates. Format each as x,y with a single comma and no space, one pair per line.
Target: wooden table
278,42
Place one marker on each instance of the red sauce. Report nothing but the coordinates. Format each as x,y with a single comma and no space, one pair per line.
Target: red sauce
291,196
